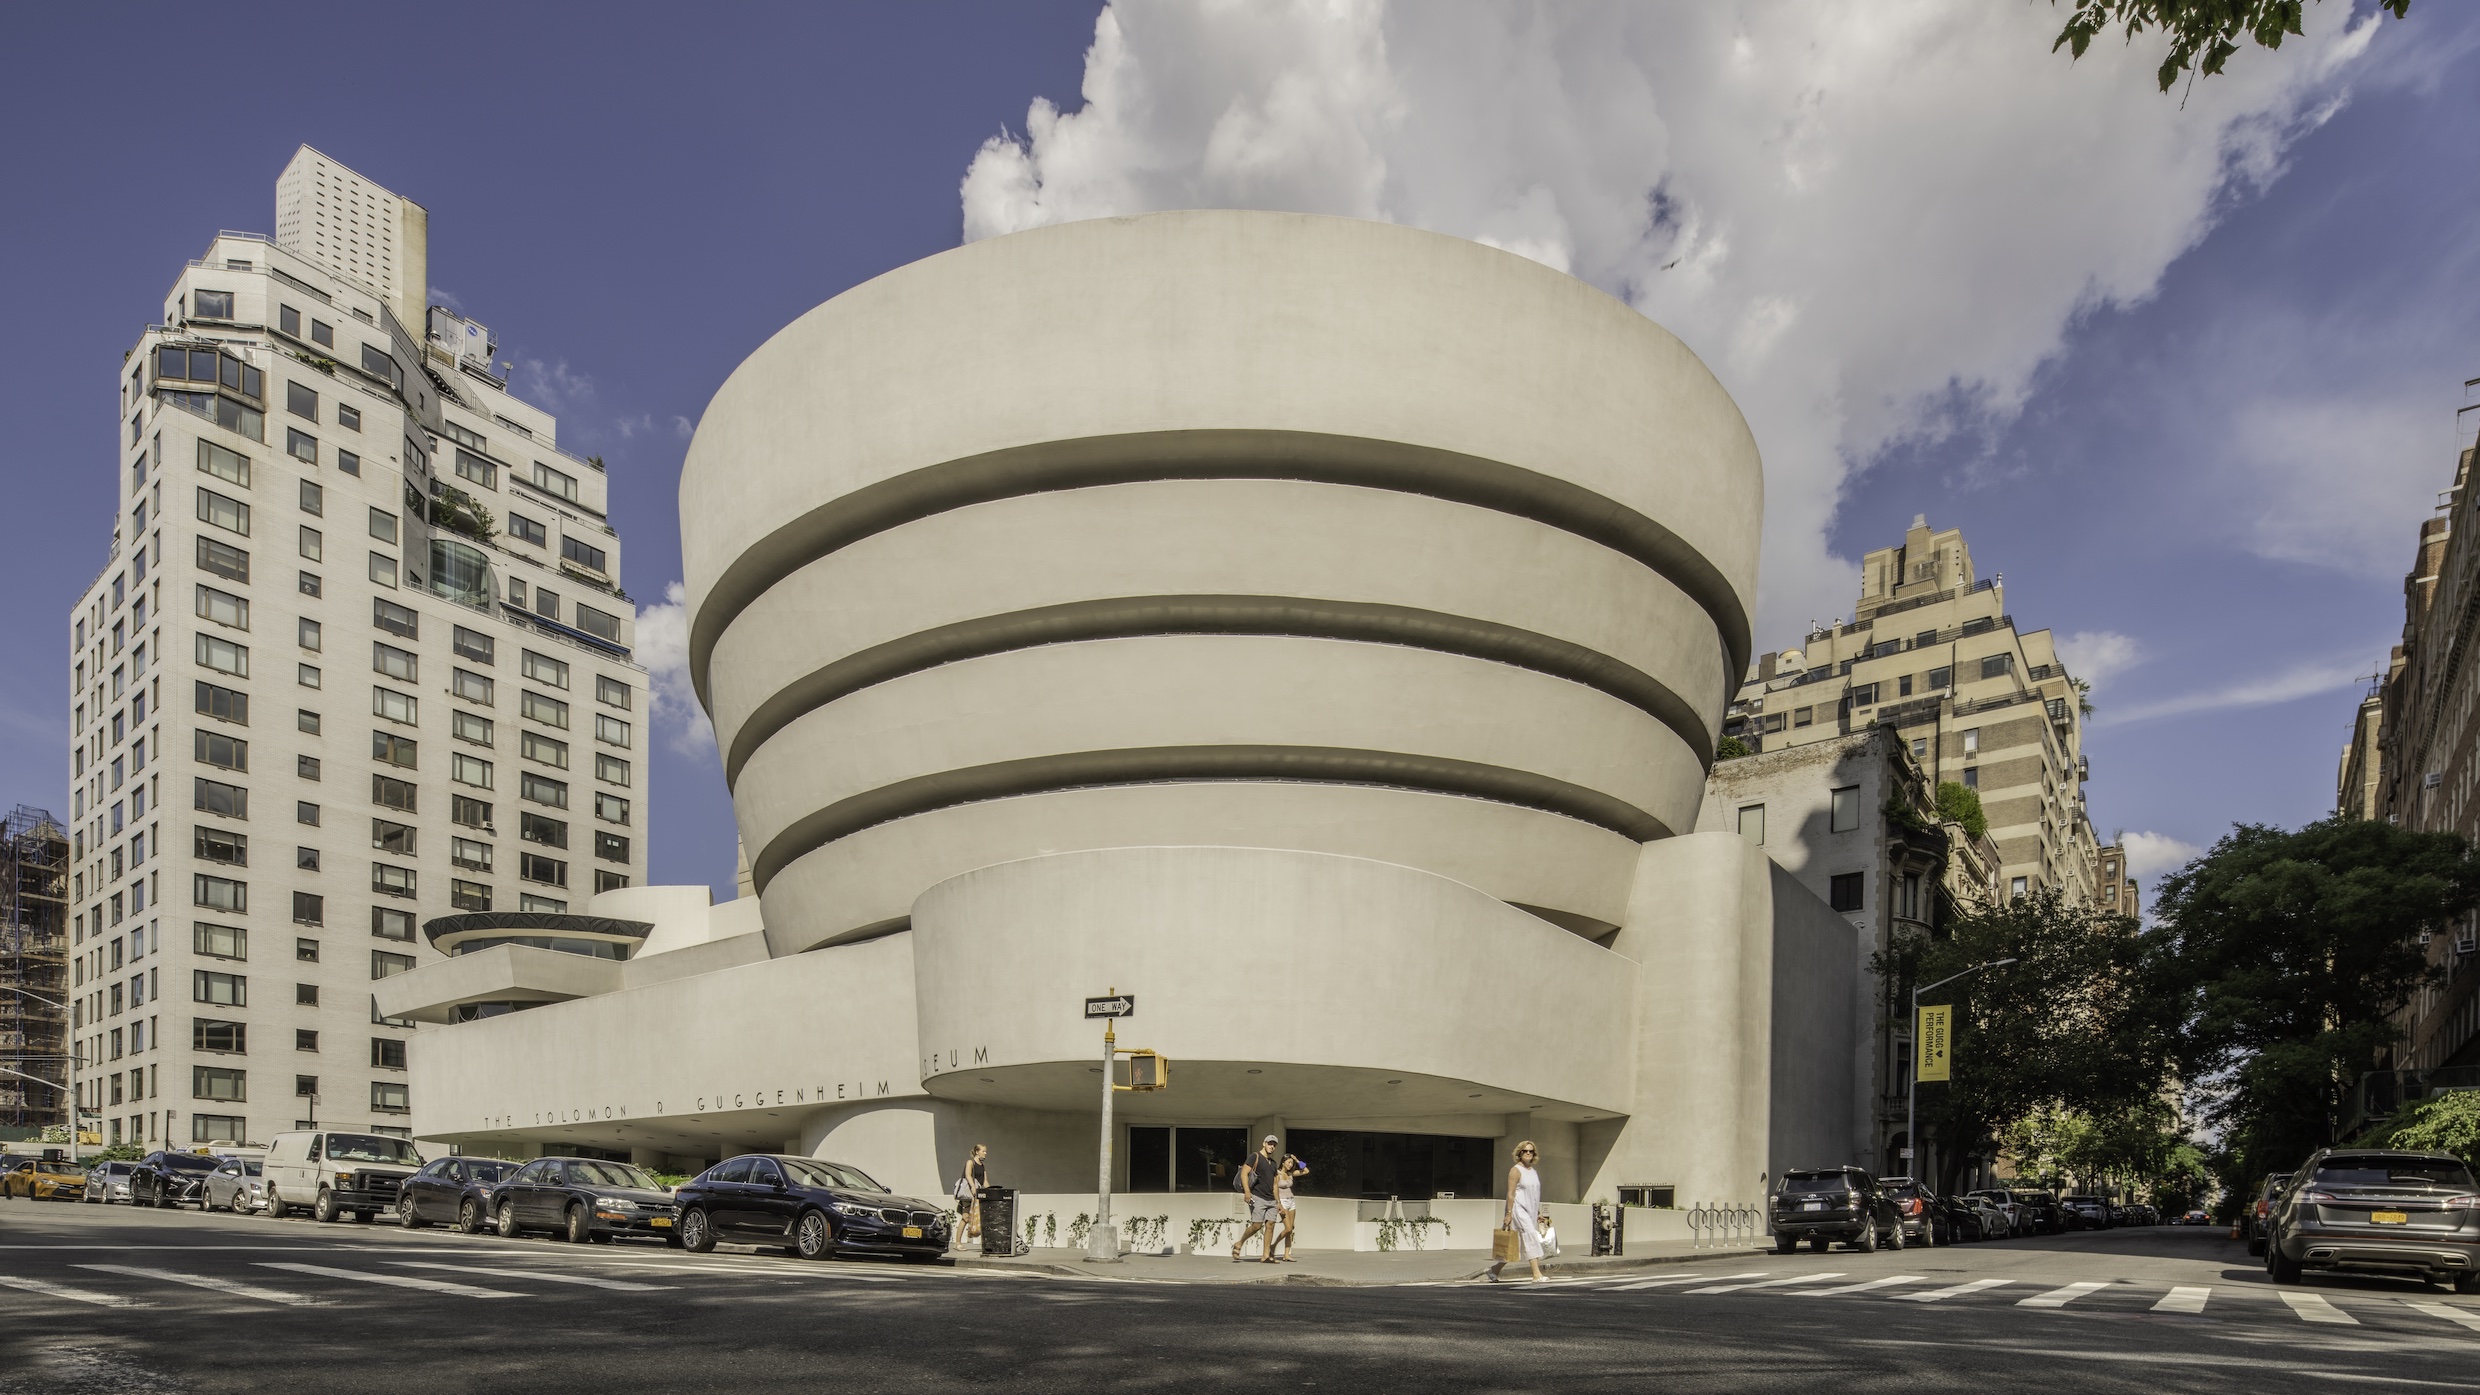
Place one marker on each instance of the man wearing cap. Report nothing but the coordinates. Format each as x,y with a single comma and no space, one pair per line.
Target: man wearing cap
1257,1180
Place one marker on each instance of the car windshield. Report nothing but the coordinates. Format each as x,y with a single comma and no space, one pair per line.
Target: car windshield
189,1162
611,1174
2276,1182
2033,1198
2393,1172
249,1169
364,1147
1815,1182
489,1171
815,1172
61,1169
1902,1190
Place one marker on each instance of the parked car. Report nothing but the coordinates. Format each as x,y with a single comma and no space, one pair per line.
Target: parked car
1995,1223
1923,1223
2195,1218
818,1208
2040,1211
2006,1205
335,1172
2085,1212
169,1179
582,1199
238,1185
453,1190
2416,1215
1959,1218
1824,1205
2253,1218
44,1179
107,1182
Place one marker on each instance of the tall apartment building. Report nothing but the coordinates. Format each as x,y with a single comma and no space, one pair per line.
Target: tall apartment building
2116,889
1931,652
357,658
34,969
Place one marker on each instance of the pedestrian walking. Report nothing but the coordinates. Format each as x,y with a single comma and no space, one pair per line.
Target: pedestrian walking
1287,1203
1257,1179
969,1184
1523,1211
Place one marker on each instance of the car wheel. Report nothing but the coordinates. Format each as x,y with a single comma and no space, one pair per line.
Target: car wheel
405,1215
507,1221
2283,1268
812,1237
276,1209
324,1209
1785,1244
469,1217
164,1202
1867,1241
697,1234
1899,1241
580,1227
2467,1283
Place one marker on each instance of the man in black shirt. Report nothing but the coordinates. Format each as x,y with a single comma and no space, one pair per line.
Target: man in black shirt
1257,1180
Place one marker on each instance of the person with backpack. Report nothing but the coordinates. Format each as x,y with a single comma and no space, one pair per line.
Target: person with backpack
1257,1178
969,1184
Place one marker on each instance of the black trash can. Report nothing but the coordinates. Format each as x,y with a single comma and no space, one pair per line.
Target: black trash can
998,1220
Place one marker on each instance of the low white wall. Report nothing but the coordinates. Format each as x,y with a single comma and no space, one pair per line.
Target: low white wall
1326,1223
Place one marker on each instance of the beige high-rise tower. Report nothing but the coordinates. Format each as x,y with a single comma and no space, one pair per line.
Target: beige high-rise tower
353,227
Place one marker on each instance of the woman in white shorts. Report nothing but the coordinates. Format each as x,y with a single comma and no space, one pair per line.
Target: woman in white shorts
1285,1202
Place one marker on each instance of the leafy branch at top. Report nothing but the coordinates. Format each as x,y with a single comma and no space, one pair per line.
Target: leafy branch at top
2204,34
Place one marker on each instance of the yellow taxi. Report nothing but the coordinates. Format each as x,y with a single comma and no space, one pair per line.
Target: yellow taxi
42,1180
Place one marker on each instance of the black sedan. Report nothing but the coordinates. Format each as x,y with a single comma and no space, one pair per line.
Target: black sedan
168,1179
817,1208
582,1199
453,1191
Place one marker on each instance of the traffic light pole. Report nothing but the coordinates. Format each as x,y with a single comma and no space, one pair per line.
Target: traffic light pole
1102,1245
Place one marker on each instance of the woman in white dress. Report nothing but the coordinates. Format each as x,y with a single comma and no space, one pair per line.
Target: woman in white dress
1523,1215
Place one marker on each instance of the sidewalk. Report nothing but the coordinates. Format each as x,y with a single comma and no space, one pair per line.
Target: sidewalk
1345,1267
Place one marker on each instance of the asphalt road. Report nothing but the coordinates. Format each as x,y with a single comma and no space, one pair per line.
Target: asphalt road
109,1301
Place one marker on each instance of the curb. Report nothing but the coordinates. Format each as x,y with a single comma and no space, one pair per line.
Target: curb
1295,1278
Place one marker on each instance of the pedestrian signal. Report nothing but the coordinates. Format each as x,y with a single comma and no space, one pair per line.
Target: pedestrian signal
1147,1070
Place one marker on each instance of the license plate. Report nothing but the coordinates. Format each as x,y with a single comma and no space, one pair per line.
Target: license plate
912,1232
1812,1206
660,1222
2390,1217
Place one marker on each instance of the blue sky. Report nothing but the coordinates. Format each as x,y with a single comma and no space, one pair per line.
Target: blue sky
2187,377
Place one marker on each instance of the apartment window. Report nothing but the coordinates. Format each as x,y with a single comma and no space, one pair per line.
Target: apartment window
382,569
472,687
1804,716
305,860
1846,809
611,807
323,333
470,770
472,644
305,1087
1920,748
223,559
1774,720
547,710
305,995
470,726
609,881
1997,666
301,401
575,550
542,668
534,828
1972,741
215,797
306,767
2057,709
305,950
383,526
611,692
469,896
306,721
611,731
475,468
288,320
1971,777
301,445
309,909
386,965
399,664
304,1039
611,847
313,544
516,591
219,1084
348,462
224,704
214,844
222,990
2016,887
551,481
1907,897
392,749
389,1098
471,855
396,619
548,870
611,770
391,881
471,813
395,839
387,1053
1843,890
306,675
1752,823
224,463
527,530
308,634
392,794
547,604
394,706
391,924
217,749
544,749
1941,678
212,941
222,655
214,1034
1903,686
1864,694
219,893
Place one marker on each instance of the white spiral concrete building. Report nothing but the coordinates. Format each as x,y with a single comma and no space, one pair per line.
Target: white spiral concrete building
1318,628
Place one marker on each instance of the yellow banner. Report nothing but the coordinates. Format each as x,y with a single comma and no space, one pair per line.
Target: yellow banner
1933,1043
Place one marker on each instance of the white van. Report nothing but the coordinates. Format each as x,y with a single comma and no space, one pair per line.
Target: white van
332,1172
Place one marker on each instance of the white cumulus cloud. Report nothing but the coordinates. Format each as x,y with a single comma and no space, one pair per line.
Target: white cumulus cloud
2097,656
1874,221
663,647
2151,854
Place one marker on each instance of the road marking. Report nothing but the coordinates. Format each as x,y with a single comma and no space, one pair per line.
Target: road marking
393,1280
762,1271
616,1285
2061,1297
100,1300
265,1295
1769,1283
2312,1307
2448,1311
1887,1282
1936,1295
1664,1280
2183,1300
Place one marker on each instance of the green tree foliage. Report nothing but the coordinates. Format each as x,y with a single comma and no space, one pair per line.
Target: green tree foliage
1962,804
2061,1029
2204,34
1730,748
2137,1151
2280,957
2446,1123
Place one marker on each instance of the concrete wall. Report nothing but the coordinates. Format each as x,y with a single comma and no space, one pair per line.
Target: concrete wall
1818,1114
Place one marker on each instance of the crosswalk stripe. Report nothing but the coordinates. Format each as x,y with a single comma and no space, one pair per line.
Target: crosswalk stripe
2061,1297
239,1290
392,1280
2183,1300
1665,1280
82,1295
2312,1307
1888,1282
1937,1294
2448,1311
807,1271
616,1285
1769,1283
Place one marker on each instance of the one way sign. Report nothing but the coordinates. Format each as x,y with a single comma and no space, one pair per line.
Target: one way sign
1124,1005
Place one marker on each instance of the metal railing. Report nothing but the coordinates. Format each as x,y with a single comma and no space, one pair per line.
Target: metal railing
1717,1226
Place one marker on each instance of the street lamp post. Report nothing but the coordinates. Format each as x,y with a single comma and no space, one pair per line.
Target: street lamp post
1911,1080
73,1059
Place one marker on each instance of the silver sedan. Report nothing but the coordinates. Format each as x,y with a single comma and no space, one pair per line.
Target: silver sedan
236,1185
108,1182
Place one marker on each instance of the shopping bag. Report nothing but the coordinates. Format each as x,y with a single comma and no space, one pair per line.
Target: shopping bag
1505,1245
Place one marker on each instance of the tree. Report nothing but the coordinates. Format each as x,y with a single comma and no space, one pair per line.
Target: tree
2059,1030
1962,804
2211,28
1730,748
2281,958
2446,1123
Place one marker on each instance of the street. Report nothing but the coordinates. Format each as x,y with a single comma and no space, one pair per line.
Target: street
99,1301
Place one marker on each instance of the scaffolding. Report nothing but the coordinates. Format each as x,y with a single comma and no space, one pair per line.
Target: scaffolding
34,968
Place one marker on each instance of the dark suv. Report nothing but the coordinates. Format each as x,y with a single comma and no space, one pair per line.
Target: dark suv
2254,1217
2412,1214
2042,1212
1829,1204
817,1208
